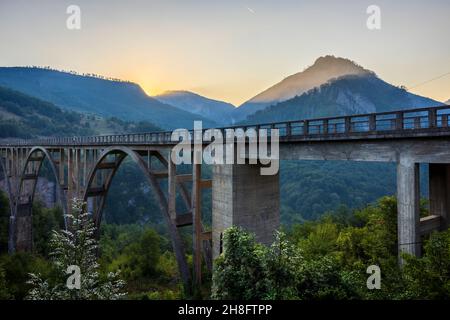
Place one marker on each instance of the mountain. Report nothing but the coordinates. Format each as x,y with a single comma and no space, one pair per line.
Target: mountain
22,116
215,110
354,94
89,94
447,102
323,70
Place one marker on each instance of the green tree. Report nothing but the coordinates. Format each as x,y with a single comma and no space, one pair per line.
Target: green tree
282,262
16,269
75,247
429,277
4,292
139,259
239,272
4,221
45,221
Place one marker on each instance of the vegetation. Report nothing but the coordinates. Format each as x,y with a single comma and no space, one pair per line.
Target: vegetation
74,250
137,251
327,259
314,260
23,116
143,257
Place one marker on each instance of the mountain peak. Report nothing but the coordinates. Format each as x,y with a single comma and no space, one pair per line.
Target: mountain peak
323,70
330,61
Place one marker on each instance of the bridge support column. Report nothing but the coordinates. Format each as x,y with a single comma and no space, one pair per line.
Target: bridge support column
23,233
245,198
439,180
408,218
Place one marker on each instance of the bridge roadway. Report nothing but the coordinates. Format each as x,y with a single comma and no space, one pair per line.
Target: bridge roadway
84,167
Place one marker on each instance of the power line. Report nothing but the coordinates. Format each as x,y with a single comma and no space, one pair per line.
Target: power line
430,80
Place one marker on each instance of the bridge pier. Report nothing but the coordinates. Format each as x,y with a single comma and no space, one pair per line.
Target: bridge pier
408,203
439,182
242,197
23,233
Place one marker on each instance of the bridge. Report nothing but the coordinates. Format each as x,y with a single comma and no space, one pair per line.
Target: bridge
84,167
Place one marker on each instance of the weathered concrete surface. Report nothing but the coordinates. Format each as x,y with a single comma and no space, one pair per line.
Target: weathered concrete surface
408,197
439,181
23,232
420,150
243,197
45,191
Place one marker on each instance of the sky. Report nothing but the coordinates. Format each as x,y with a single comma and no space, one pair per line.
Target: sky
229,50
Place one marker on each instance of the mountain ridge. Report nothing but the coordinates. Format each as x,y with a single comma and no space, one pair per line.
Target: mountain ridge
347,95
216,110
324,69
87,94
23,116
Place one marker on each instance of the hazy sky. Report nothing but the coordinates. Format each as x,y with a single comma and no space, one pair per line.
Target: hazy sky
231,49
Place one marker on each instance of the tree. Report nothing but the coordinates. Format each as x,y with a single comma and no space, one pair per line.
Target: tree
248,270
239,272
281,263
4,292
76,246
429,277
4,221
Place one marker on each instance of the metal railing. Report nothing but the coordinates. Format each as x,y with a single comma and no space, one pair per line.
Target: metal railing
403,121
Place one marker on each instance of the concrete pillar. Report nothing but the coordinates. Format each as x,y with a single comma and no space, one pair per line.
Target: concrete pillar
439,181
408,197
243,197
23,233
197,221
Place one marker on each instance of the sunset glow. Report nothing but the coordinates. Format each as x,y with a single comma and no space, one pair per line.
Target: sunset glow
229,50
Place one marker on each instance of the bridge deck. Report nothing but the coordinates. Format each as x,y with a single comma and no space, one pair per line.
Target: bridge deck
421,122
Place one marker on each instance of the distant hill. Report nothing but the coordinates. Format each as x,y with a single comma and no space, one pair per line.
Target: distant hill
215,110
87,94
447,102
324,69
22,116
355,94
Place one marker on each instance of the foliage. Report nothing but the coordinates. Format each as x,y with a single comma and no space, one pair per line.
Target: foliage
328,258
16,268
429,277
23,116
4,292
144,259
281,263
4,222
75,247
45,220
240,272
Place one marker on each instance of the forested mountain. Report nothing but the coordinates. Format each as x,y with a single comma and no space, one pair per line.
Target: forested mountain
22,116
343,96
218,111
94,95
323,70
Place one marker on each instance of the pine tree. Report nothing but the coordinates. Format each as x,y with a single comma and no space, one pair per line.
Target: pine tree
77,247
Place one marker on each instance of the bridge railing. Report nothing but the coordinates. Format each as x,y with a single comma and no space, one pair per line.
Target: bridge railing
396,121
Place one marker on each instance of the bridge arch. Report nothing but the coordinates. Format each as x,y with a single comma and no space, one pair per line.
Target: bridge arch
99,182
21,224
